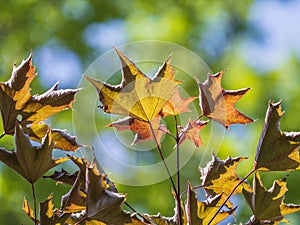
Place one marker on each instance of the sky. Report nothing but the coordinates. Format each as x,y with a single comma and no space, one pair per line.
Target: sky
279,23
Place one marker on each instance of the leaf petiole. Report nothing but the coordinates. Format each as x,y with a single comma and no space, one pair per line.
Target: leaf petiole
34,203
230,194
140,215
163,159
178,199
2,135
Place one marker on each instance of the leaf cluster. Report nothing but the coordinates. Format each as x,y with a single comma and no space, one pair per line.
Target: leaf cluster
144,102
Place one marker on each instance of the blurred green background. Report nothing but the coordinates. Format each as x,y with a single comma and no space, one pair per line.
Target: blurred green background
256,41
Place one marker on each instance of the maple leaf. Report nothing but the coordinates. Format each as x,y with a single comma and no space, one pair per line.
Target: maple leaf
277,150
40,107
83,164
267,205
16,99
74,200
61,138
70,178
176,105
47,215
29,161
63,177
15,93
218,104
141,128
137,95
101,204
201,213
220,176
191,132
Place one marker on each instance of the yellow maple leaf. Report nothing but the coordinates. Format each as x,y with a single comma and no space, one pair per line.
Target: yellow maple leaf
137,96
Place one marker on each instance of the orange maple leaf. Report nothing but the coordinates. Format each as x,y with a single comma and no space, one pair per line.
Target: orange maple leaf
191,132
177,105
218,104
141,128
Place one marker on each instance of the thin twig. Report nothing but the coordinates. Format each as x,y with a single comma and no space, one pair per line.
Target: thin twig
178,199
168,133
231,193
195,187
142,216
195,120
2,135
81,220
34,203
163,159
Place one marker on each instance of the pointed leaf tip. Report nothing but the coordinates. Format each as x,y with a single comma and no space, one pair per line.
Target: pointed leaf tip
101,204
277,150
16,98
268,205
30,161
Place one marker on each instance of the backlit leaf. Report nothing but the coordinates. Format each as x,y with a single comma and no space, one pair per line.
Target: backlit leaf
30,161
141,128
40,107
63,177
177,105
102,204
16,99
47,215
220,176
15,93
267,205
96,168
201,213
191,132
277,150
218,104
137,95
61,138
74,200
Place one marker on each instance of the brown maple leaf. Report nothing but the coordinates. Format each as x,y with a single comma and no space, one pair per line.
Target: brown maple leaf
218,104
191,132
30,161
16,99
267,205
141,128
